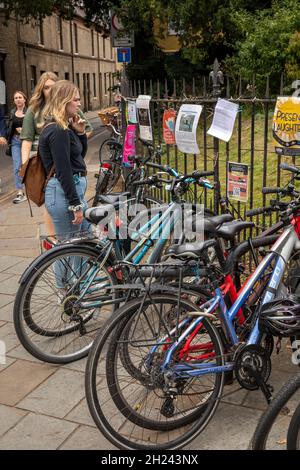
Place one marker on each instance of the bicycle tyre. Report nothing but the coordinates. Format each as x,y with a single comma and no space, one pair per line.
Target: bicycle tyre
104,354
34,329
293,434
264,426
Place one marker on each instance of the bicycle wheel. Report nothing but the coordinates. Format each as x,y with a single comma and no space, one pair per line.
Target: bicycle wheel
55,319
110,153
134,410
293,435
267,420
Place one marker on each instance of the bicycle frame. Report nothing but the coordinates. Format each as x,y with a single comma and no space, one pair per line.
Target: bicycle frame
281,251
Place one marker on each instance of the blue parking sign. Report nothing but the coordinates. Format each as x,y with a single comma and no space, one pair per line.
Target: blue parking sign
124,54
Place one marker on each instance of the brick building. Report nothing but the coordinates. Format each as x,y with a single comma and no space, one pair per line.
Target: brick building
68,48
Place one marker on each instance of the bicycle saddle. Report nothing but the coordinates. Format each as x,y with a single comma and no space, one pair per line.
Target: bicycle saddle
97,214
228,231
112,198
219,219
190,250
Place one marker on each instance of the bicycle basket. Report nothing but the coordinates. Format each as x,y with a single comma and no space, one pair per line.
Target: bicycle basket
107,115
281,317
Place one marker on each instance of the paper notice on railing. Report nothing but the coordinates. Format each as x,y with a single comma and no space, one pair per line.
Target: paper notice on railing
144,117
223,120
131,112
186,128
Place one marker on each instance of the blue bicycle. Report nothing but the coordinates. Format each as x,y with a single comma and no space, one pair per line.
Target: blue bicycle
155,373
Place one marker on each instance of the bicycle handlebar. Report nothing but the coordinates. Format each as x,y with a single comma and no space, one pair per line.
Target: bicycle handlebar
259,210
292,169
267,190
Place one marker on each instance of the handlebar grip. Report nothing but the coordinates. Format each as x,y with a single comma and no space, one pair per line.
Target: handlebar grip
206,173
252,212
267,190
292,169
156,165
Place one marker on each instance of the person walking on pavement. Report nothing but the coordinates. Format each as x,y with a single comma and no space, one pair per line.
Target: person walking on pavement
12,138
63,143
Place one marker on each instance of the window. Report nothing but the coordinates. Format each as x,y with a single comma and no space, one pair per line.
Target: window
94,84
78,80
105,84
32,77
104,47
93,44
75,38
67,76
40,32
60,33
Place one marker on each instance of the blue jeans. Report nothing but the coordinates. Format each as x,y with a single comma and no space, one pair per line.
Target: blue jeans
17,160
57,206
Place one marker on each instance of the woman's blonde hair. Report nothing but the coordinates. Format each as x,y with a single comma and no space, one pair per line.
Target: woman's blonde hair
37,101
61,93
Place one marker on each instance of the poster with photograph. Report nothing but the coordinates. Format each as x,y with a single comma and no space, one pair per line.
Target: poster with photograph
169,119
223,120
144,117
237,181
186,128
131,110
286,126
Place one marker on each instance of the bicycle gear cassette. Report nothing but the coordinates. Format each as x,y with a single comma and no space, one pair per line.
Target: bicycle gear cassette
252,362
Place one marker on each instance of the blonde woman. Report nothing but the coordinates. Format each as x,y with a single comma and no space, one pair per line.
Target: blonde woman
33,123
63,143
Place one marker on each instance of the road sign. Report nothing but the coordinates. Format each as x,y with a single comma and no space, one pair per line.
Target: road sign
124,54
123,39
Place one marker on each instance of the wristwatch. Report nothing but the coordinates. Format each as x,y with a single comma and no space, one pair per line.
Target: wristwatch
76,208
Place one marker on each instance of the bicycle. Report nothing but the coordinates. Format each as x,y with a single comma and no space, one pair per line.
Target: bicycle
156,407
84,267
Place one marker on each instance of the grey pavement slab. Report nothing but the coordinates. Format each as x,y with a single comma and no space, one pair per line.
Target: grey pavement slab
20,378
80,414
5,300
5,276
8,362
36,432
8,335
20,353
58,395
9,417
10,285
6,312
24,230
231,428
8,261
86,438
18,268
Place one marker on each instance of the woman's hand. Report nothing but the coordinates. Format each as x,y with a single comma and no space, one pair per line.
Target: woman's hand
3,141
78,124
78,217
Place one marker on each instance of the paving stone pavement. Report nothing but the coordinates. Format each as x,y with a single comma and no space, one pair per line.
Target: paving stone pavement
43,406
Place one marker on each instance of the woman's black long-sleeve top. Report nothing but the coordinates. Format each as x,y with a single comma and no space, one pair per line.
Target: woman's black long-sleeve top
66,149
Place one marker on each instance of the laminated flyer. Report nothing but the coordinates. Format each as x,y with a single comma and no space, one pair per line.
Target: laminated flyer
131,109
223,120
144,117
169,119
237,181
186,128
286,126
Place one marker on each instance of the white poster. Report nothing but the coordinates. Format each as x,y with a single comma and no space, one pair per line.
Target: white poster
186,128
224,119
132,112
144,117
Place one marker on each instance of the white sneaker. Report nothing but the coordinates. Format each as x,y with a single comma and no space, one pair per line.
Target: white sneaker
19,198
